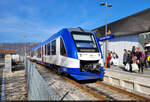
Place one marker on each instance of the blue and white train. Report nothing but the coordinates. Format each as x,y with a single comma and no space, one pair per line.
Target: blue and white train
73,51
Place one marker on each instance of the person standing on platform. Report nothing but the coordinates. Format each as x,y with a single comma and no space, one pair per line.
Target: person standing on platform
138,55
142,61
116,59
111,61
108,59
129,60
125,56
133,51
148,60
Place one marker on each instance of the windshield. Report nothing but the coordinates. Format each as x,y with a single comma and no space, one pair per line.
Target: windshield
85,42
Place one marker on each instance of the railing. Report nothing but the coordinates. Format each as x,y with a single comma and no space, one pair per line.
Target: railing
37,87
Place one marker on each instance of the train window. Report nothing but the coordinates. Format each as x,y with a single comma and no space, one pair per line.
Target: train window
48,49
85,42
62,48
45,49
39,52
54,47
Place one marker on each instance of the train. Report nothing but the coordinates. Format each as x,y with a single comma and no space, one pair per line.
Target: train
73,51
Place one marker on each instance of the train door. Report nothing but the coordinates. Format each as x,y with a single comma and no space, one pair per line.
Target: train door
45,52
42,54
58,46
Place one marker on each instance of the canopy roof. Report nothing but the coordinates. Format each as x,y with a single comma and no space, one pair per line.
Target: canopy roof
134,24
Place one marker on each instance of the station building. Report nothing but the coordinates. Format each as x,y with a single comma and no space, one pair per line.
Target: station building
4,52
130,31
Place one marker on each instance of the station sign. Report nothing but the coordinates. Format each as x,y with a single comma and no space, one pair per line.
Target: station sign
111,36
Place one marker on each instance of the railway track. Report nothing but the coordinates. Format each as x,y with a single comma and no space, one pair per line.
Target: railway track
103,91
130,94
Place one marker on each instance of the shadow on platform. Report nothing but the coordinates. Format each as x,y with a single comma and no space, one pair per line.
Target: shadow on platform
18,68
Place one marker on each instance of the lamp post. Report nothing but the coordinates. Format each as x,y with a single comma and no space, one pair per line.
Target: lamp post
24,36
106,42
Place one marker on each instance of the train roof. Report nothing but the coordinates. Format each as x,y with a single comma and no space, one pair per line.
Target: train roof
78,29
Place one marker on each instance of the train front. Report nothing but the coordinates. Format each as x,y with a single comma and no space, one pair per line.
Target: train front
89,56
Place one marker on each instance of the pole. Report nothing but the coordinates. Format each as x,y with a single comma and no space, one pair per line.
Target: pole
106,42
105,46
25,45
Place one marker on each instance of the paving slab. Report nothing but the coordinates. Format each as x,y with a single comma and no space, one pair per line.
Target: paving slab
15,84
146,71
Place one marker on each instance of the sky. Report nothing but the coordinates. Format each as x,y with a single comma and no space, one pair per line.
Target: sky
39,19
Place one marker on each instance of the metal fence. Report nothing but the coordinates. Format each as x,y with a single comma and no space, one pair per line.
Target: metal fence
37,87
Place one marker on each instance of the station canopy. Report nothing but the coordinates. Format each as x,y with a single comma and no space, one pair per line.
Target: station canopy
134,24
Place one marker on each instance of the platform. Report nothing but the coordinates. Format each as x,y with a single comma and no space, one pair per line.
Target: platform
146,71
131,81
15,84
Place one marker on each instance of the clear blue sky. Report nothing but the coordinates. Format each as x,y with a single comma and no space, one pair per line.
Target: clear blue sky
38,19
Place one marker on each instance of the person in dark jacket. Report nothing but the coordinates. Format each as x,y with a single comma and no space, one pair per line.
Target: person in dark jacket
133,51
138,55
125,56
129,60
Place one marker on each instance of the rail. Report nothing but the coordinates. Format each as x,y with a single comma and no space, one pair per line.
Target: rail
83,87
136,96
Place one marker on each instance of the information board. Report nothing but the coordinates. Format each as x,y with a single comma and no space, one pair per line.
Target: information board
8,63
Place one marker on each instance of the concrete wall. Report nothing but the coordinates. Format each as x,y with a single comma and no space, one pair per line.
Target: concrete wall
133,82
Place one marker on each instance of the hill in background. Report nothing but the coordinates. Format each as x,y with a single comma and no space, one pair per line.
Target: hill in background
19,47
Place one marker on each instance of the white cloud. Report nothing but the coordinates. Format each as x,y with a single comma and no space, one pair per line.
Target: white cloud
33,30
